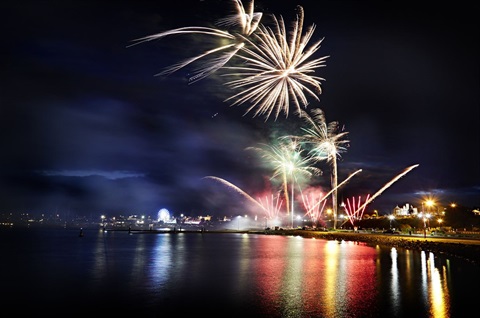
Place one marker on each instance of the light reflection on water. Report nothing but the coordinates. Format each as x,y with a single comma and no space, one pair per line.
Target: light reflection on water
249,275
297,277
395,284
438,291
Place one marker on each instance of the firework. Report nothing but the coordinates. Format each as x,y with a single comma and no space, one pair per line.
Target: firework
288,163
338,186
313,210
325,140
276,69
231,185
355,210
271,205
326,143
246,21
387,185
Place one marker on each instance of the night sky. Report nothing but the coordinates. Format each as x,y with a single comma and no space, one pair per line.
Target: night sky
87,127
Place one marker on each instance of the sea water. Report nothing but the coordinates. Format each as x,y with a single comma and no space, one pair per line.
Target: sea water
55,272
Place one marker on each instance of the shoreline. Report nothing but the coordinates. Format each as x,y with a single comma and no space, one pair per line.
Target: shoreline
463,248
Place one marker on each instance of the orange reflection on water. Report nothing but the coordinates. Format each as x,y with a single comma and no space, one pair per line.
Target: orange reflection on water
332,249
350,279
438,292
423,278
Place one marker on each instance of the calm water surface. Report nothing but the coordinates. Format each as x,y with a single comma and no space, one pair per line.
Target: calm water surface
56,273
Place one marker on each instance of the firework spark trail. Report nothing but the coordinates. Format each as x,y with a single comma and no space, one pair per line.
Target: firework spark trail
272,207
288,162
277,69
312,210
338,186
352,213
327,140
407,170
248,23
231,185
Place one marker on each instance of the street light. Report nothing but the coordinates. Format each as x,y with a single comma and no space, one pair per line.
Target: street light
453,206
440,223
425,217
429,203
